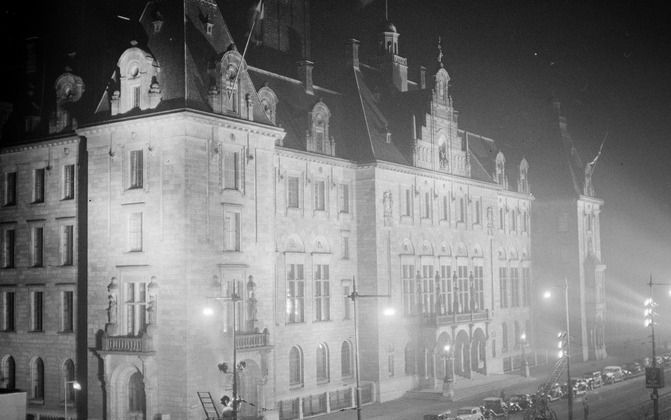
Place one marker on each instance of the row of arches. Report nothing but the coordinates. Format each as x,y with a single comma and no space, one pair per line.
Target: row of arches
322,363
36,381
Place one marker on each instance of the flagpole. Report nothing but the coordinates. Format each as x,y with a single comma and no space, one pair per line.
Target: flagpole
258,12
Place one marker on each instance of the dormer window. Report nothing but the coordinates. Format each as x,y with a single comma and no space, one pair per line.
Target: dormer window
318,134
268,101
138,82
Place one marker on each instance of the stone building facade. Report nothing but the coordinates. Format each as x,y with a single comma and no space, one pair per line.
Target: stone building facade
211,181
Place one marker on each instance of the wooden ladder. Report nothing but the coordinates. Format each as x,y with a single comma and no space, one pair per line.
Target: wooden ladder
210,408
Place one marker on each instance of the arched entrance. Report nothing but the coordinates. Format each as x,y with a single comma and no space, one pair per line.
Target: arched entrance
443,366
478,352
137,402
462,355
249,389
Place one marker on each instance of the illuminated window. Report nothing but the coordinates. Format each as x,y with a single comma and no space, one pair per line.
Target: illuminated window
68,182
295,293
136,169
322,357
295,367
322,293
135,232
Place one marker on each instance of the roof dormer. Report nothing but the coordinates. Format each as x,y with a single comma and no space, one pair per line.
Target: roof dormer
137,81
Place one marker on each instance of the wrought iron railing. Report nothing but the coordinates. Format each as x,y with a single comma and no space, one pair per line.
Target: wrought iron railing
455,318
141,344
245,340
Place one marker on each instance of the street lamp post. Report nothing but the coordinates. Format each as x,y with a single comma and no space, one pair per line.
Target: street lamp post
234,298
355,297
568,348
650,321
525,363
75,386
448,383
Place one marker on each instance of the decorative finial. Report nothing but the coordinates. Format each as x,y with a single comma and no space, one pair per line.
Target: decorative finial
440,53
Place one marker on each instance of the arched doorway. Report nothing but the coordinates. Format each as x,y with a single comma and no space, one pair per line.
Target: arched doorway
443,366
478,352
249,383
137,401
462,355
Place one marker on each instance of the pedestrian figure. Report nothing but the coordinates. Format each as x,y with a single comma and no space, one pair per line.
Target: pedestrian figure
585,407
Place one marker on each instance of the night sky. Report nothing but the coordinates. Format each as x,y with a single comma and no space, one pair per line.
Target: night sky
607,62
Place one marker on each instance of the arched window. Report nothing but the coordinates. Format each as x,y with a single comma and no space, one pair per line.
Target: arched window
37,380
268,101
295,367
136,82
69,376
136,396
346,359
8,373
318,139
322,363
504,338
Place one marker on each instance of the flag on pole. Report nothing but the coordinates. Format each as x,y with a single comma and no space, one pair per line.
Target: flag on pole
256,20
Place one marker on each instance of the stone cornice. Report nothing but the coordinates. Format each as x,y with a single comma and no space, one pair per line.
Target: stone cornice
39,144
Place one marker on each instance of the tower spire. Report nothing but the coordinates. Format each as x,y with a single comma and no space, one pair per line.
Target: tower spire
440,53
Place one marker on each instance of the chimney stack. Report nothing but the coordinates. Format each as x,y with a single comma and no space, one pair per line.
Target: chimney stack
305,74
353,52
422,77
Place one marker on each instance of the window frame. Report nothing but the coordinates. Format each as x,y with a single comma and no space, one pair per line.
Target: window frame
136,171
66,245
321,291
295,294
39,180
37,246
67,311
9,311
232,228
10,192
36,311
296,367
68,181
135,232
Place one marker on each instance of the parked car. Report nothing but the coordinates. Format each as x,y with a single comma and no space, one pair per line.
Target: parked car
554,393
579,386
523,400
593,379
612,374
496,406
445,415
469,413
633,367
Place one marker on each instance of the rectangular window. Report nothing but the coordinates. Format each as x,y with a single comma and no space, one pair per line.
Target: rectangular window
525,222
67,245
526,287
67,314
135,300
503,282
343,198
38,247
426,209
406,203
293,192
8,312
390,362
68,182
347,302
319,199
478,289
478,212
409,298
231,170
345,247
38,185
322,293
136,97
8,248
37,311
446,298
295,293
136,169
428,295
514,287
445,209
10,189
502,219
462,209
463,290
135,232
231,230
513,220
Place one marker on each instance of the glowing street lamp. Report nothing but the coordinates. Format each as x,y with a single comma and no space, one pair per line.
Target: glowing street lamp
76,387
448,383
525,363
565,345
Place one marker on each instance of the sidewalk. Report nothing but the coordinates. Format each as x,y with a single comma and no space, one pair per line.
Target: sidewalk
413,408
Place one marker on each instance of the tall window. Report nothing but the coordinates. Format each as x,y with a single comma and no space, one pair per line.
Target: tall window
346,359
292,192
232,227
38,185
69,376
10,189
390,361
478,288
8,373
295,367
231,170
445,209
426,208
135,232
478,212
295,293
67,245
135,300
462,209
67,311
37,380
463,291
409,359
514,287
37,311
136,97
503,282
38,246
322,358
68,182
322,293
502,218
136,396
345,247
504,338
526,287
513,220
446,289
320,200
428,295
8,312
8,245
136,169
409,298
525,222
406,202
343,198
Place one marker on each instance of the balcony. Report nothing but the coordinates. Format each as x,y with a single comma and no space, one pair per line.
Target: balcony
436,320
247,341
122,344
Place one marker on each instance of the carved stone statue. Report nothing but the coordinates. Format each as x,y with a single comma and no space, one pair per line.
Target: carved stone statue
112,299
588,188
